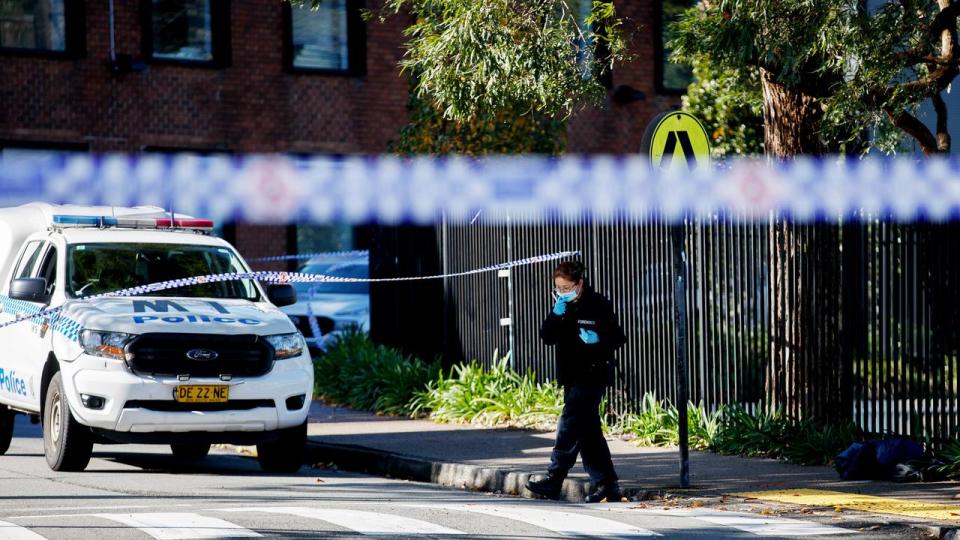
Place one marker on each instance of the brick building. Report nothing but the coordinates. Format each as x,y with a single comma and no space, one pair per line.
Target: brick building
253,76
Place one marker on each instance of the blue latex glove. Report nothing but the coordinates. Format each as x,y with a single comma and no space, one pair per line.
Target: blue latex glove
589,336
560,307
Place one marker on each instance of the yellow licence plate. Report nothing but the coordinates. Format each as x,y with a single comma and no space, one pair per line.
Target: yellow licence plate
197,393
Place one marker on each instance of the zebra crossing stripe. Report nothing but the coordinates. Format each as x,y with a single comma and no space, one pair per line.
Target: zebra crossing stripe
12,531
180,525
751,523
566,523
363,522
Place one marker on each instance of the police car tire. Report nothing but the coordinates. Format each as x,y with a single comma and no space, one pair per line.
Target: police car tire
285,455
6,428
190,451
67,444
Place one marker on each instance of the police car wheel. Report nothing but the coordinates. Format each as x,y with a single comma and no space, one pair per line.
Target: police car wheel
67,444
6,428
190,451
285,455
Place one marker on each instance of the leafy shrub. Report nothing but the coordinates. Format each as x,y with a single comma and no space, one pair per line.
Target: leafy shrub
950,455
360,374
657,424
817,444
760,434
496,396
775,435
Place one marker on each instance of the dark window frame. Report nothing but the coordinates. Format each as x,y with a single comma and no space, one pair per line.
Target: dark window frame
75,34
44,145
658,54
356,43
220,40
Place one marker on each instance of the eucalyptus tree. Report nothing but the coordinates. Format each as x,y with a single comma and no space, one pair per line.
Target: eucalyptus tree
501,76
824,76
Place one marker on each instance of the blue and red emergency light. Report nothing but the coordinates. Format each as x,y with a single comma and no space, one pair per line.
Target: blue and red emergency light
62,220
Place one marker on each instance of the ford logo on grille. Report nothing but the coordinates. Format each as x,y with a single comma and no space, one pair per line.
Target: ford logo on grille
202,354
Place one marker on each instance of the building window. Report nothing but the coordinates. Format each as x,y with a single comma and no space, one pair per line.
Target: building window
328,38
187,31
47,26
671,78
13,151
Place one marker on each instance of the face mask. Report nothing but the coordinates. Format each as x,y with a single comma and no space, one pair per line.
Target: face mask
567,296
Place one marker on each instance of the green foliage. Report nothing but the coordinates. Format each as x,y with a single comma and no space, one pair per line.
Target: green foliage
815,444
357,373
862,63
657,424
950,455
477,58
429,132
730,105
775,435
496,396
758,435
362,375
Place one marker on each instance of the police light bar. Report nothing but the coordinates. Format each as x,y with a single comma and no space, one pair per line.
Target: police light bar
185,223
62,220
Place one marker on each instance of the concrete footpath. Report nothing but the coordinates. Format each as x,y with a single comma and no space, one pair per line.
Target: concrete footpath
499,460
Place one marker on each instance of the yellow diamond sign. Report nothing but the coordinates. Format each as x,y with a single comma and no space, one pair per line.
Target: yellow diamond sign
677,141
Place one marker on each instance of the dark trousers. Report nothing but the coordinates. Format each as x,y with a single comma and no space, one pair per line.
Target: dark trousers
579,432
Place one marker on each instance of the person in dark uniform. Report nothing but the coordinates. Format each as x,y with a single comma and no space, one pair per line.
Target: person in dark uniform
586,332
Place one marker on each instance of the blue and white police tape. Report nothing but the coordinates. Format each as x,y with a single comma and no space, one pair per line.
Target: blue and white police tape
391,190
283,278
354,254
314,327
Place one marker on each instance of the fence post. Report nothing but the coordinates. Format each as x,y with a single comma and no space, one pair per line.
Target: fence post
852,314
678,234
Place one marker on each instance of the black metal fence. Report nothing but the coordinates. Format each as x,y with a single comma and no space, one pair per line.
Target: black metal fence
878,330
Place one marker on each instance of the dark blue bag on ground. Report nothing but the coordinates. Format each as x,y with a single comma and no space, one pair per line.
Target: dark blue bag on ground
876,460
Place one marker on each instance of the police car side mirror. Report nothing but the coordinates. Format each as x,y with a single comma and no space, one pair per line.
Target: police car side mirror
282,295
29,290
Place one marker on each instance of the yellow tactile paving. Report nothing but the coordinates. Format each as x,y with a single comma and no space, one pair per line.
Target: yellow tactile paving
854,501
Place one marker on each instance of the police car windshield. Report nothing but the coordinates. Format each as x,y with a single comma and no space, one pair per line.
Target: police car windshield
106,267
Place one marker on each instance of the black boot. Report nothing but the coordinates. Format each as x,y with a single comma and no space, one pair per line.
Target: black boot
549,486
605,492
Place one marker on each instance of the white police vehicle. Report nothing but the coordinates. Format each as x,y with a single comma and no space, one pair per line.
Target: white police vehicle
213,362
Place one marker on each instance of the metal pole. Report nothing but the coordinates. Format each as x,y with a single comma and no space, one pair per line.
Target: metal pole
510,303
680,312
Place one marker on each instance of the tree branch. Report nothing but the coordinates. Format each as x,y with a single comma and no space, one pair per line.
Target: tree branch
945,66
946,19
915,128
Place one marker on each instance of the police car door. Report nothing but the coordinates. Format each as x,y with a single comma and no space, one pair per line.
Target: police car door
17,384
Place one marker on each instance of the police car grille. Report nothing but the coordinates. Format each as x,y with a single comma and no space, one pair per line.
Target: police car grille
175,406
166,354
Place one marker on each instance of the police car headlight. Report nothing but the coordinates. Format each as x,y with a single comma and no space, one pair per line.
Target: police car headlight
106,344
286,345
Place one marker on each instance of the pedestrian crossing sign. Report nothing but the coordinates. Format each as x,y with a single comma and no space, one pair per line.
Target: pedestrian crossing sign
677,141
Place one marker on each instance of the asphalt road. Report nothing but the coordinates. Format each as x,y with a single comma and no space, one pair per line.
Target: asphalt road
143,492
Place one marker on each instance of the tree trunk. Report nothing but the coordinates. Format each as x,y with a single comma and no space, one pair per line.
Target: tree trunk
804,374
791,120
